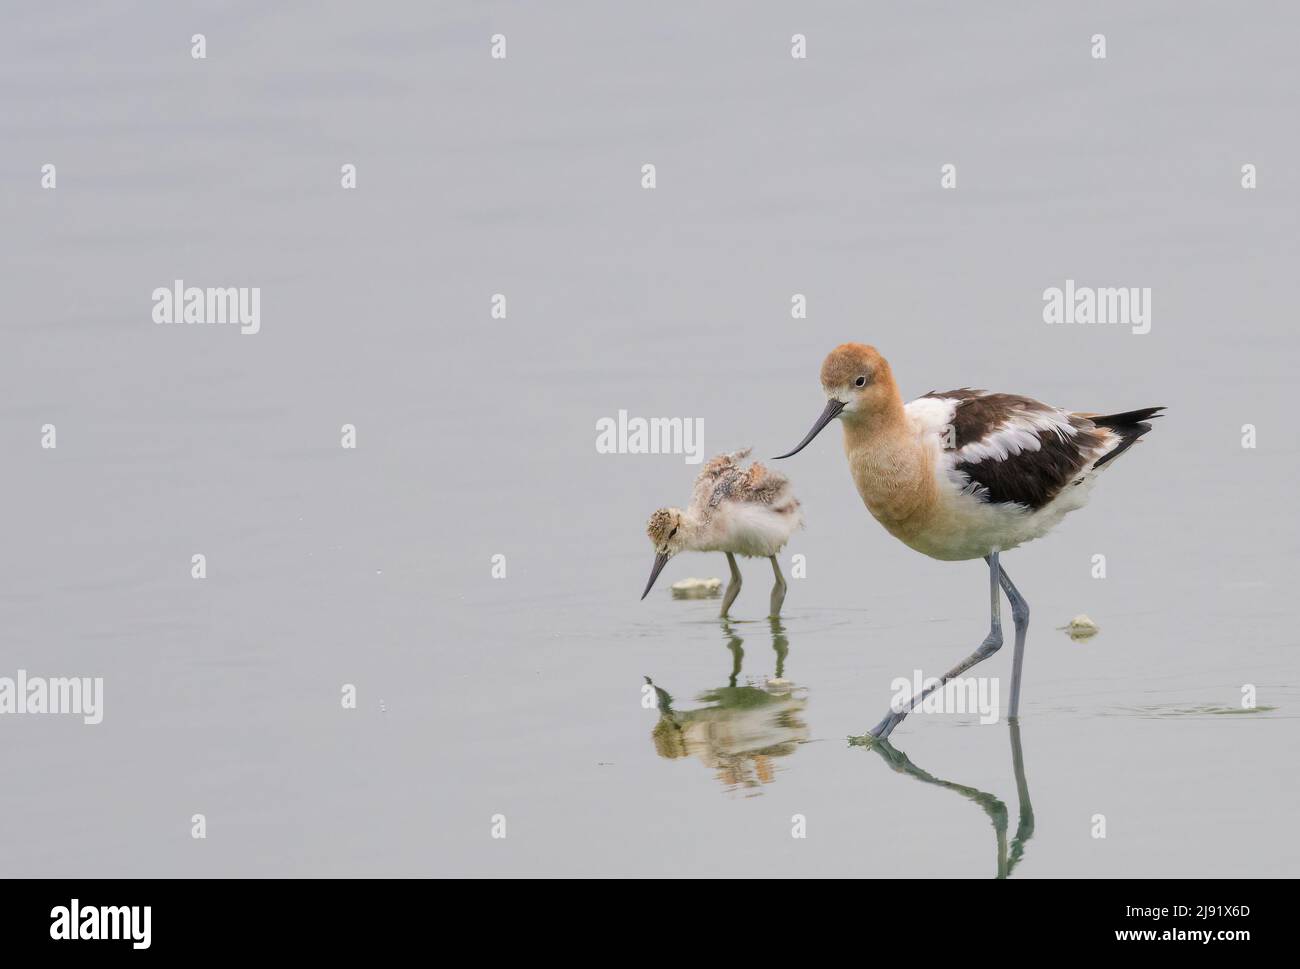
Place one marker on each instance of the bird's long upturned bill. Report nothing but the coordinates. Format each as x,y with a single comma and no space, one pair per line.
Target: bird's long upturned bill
832,411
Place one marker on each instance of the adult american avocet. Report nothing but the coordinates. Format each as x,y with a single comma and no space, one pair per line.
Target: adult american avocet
966,474
741,511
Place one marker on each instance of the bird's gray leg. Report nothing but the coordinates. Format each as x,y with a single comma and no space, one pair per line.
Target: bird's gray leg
733,587
778,590
992,643
1019,616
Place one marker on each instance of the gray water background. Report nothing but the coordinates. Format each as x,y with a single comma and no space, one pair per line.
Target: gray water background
522,696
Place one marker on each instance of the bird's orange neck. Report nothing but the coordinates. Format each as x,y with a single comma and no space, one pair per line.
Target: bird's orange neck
892,468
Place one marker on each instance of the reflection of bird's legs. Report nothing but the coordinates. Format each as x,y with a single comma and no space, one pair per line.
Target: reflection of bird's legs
1025,828
737,652
995,809
992,643
733,587
781,646
778,590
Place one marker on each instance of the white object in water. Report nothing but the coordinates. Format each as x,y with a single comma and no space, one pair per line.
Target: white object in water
1081,627
697,587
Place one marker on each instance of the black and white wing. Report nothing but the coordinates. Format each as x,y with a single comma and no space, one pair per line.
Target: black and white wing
1009,449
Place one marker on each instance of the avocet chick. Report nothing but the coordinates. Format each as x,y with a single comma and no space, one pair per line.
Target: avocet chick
741,511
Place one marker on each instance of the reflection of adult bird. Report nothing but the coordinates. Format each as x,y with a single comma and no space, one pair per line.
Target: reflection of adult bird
994,808
741,511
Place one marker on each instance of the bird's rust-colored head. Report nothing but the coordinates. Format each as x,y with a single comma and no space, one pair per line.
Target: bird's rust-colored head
859,386
859,377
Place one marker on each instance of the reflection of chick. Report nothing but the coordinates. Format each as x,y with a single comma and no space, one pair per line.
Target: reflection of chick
738,734
668,739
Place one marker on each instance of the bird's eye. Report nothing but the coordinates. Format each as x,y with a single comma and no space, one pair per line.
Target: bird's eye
860,382
672,533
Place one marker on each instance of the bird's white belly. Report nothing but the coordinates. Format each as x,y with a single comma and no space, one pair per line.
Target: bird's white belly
752,530
962,526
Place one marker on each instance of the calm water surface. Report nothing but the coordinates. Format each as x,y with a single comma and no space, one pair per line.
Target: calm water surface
523,696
